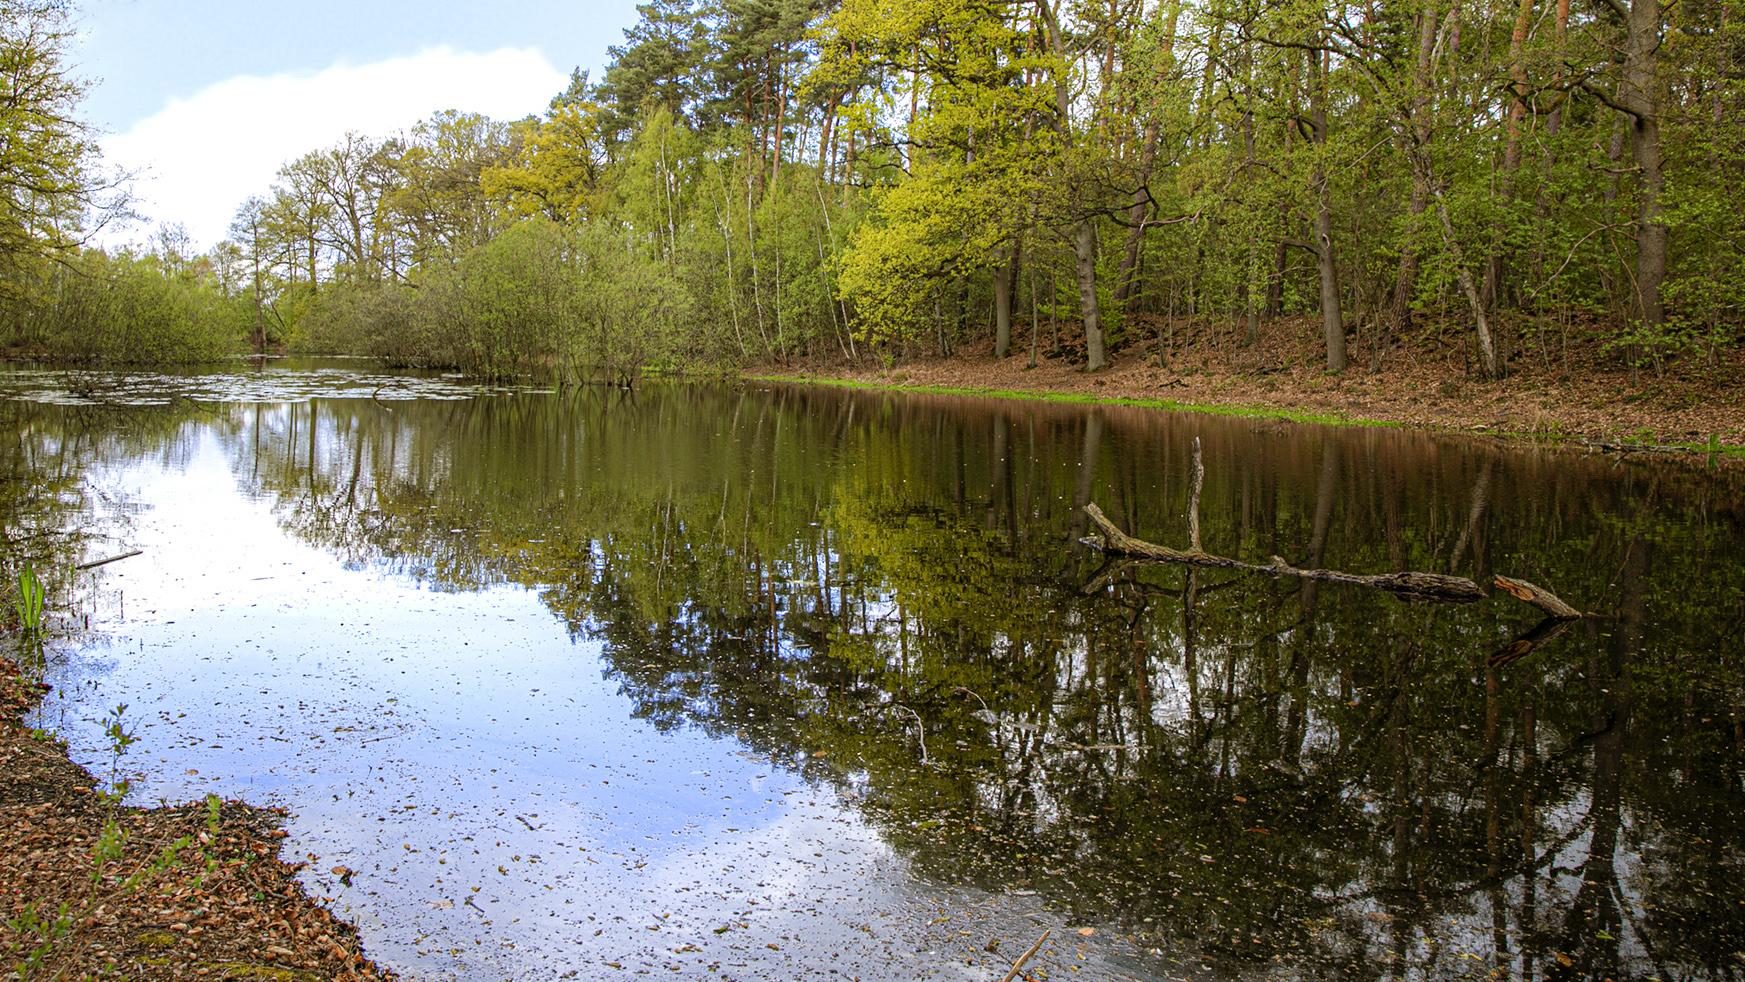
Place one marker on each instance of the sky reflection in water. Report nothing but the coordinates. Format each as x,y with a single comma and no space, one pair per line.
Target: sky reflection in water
770,604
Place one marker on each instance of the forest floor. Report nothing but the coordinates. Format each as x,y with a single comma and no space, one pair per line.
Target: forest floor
182,892
1585,394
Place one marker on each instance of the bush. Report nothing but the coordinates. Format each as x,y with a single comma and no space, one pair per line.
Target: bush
127,310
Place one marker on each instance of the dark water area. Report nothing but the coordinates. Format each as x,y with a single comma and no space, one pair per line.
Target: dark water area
776,682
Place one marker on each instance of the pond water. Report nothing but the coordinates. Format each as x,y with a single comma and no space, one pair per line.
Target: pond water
775,682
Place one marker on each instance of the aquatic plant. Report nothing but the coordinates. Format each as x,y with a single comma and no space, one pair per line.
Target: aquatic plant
28,601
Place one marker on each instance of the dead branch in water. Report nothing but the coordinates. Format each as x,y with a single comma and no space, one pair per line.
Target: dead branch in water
1410,586
1018,966
1407,586
112,559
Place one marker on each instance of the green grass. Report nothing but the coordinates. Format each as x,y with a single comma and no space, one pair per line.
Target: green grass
1252,412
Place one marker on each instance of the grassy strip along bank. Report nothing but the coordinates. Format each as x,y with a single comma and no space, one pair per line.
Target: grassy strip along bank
1077,398
91,887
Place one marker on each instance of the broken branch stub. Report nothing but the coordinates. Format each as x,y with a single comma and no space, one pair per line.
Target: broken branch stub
1538,596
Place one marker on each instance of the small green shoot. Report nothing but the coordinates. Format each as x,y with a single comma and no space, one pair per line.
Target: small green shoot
121,738
110,847
47,932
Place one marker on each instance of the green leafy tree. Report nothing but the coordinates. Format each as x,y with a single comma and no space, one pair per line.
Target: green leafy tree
52,192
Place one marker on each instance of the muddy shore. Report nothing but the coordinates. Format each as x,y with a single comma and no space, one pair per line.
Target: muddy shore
1587,396
90,887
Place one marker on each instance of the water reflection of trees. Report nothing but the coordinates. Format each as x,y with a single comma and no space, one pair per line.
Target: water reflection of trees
1272,769
50,516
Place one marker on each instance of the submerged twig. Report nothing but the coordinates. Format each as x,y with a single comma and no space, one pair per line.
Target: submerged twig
111,559
1018,965
921,730
978,698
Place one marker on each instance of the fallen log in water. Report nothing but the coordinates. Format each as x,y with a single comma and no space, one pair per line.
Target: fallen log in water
1433,587
1407,586
1604,446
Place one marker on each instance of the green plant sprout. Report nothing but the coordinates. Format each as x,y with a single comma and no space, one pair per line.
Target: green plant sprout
29,601
121,738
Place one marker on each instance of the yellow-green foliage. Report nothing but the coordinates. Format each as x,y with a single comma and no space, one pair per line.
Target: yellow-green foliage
129,309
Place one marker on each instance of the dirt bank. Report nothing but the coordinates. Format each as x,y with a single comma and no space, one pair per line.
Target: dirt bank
1587,394
185,892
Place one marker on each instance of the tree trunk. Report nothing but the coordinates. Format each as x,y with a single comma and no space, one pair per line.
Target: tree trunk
1608,215
1124,283
1332,317
1275,285
775,172
1553,124
1487,350
1136,218
1641,95
1084,250
914,106
1418,135
1005,279
1084,234
1493,269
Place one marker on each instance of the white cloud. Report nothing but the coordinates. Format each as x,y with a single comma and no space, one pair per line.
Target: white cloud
203,157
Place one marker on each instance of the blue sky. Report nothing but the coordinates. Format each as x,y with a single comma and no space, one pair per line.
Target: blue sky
209,98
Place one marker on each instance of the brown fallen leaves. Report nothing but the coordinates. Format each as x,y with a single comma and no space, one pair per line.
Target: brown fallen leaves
194,892
1582,392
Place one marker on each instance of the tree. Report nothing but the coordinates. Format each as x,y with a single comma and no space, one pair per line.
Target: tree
808,173
983,147
52,193
350,178
300,210
657,63
1084,230
558,166
1639,101
436,182
262,249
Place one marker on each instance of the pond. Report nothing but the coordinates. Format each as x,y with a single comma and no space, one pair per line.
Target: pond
760,681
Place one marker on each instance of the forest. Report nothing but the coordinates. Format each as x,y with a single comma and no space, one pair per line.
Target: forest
759,181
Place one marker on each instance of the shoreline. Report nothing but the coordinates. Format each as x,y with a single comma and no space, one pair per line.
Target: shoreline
189,891
1600,411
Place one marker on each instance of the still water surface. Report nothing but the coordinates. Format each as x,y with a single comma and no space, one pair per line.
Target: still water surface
766,682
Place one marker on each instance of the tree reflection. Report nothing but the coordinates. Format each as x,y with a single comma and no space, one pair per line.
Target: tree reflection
49,517
1272,772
